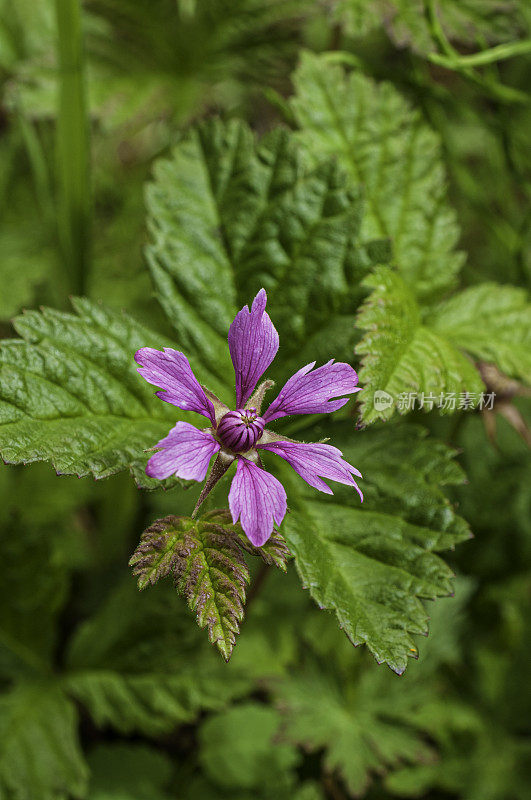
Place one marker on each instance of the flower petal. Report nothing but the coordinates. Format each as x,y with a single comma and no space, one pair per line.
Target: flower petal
310,392
253,344
171,371
315,461
257,499
186,452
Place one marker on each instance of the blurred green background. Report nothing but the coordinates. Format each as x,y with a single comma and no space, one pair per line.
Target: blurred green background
89,98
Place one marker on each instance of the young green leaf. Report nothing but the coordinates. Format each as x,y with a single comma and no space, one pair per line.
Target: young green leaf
388,148
209,570
372,565
274,552
70,393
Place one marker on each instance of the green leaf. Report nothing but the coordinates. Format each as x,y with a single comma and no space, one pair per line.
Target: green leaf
209,570
274,552
492,323
405,475
468,22
140,664
33,553
388,148
39,753
492,765
150,703
369,722
70,393
357,17
405,351
229,215
372,564
27,627
363,732
237,749
402,354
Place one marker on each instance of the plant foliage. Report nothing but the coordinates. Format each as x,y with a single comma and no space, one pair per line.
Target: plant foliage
350,187
70,393
372,565
228,215
385,146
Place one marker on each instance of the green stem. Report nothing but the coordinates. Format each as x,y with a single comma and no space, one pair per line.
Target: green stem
219,468
494,54
450,58
73,147
437,31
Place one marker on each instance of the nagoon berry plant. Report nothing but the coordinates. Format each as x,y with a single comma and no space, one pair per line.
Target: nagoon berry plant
256,497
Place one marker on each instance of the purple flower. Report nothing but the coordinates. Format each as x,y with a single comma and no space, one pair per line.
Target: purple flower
256,498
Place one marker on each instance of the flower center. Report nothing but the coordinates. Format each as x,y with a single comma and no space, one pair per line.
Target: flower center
240,430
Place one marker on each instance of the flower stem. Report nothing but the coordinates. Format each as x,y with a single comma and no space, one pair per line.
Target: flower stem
219,468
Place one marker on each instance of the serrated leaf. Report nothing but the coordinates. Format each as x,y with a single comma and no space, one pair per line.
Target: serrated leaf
209,571
39,753
70,393
372,565
363,733
405,351
402,355
405,475
274,552
492,322
387,147
153,704
377,570
229,215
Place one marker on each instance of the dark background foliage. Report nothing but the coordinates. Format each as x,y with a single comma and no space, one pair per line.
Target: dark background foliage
113,694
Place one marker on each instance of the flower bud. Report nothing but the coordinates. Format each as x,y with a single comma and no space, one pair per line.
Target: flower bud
240,430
